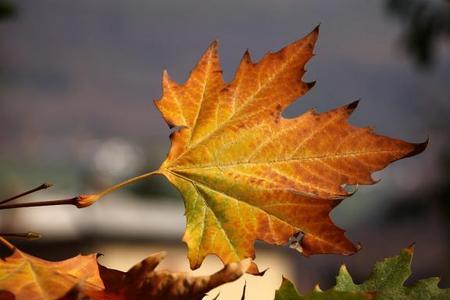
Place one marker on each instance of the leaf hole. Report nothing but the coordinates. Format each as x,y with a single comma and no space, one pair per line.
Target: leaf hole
350,188
295,241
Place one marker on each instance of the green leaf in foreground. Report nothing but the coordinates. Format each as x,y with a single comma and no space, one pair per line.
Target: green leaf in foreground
287,291
386,282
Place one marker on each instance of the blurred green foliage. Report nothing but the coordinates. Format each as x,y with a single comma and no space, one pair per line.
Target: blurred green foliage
425,22
7,10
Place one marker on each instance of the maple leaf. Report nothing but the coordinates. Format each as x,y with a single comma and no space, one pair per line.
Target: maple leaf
287,291
385,282
247,173
29,277
23,276
142,281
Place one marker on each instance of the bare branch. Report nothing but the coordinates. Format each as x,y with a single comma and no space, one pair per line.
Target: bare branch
41,187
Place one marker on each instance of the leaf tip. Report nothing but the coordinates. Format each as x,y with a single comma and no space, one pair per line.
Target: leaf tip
214,45
160,255
313,35
316,29
246,58
253,269
311,84
410,249
352,249
352,106
165,77
343,269
418,148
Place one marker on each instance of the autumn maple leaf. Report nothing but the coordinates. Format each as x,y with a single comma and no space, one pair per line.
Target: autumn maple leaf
247,173
143,281
25,277
29,277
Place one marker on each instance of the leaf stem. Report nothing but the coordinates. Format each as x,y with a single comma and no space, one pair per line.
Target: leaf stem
41,187
124,183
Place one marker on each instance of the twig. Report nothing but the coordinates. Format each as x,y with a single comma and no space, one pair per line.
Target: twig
72,201
79,201
7,244
41,187
27,235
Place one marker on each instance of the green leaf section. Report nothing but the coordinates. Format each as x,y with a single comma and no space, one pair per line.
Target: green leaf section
386,282
287,291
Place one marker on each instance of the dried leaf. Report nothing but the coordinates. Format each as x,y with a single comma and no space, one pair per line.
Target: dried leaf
143,281
386,282
247,173
27,277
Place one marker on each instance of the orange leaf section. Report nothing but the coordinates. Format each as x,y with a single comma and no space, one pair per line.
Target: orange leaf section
247,173
25,277
29,277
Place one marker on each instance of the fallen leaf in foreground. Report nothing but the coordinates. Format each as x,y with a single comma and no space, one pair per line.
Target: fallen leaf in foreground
287,291
27,277
386,282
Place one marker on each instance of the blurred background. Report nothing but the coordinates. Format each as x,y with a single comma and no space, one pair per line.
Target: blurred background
77,80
